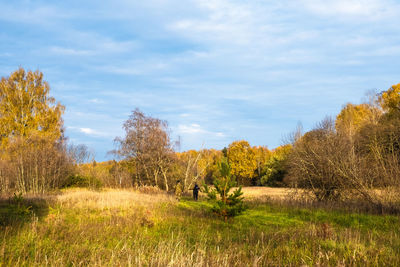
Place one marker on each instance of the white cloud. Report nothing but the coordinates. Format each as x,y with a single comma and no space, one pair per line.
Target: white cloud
190,129
360,9
70,51
85,43
134,67
35,14
220,134
196,129
96,101
220,21
90,132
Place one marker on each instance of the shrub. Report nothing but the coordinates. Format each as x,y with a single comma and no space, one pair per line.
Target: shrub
224,204
82,181
16,211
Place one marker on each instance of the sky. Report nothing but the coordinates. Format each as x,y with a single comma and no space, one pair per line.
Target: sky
217,71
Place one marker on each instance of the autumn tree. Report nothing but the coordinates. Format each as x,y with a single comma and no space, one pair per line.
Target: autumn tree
209,163
26,109
262,156
242,161
192,171
390,100
352,117
148,146
33,152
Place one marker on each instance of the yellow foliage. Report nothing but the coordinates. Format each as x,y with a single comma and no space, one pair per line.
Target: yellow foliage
390,99
26,109
262,154
353,117
242,159
209,159
206,163
282,151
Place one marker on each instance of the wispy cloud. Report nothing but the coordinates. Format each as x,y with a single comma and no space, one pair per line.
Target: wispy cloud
30,13
190,129
216,70
90,132
70,51
96,101
357,9
196,129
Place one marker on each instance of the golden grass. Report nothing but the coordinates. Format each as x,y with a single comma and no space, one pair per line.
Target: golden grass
261,192
110,198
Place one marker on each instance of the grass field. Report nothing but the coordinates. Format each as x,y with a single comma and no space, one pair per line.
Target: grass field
129,228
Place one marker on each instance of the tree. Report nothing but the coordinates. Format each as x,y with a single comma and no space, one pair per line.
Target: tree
262,156
209,163
225,204
32,147
192,170
390,99
275,169
315,161
26,108
352,117
147,145
80,153
242,160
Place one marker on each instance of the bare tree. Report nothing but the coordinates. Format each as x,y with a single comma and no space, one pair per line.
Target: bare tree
147,145
34,164
336,165
192,171
80,153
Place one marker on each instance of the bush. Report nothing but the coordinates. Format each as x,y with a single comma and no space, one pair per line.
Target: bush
16,211
82,181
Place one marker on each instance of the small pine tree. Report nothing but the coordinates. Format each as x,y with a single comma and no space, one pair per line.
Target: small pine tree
225,204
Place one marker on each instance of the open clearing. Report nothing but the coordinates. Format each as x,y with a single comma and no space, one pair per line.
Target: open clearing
128,228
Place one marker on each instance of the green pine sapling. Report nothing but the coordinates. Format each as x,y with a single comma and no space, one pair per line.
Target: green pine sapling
225,204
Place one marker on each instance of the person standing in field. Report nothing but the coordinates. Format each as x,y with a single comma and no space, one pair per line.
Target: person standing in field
178,190
196,190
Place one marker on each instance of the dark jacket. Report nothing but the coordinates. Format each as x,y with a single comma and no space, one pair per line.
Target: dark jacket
196,188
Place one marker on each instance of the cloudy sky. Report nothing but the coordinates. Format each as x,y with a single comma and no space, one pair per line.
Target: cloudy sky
217,71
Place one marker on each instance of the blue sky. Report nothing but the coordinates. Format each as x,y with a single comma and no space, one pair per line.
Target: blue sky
217,71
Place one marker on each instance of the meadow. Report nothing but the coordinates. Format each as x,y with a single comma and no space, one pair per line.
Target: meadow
80,227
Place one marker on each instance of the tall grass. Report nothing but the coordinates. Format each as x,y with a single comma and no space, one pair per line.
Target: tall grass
130,228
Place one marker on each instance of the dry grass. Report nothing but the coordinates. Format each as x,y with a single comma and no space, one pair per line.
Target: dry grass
262,192
130,228
111,198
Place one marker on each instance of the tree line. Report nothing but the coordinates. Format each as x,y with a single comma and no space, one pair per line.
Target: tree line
354,153
36,157
147,157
